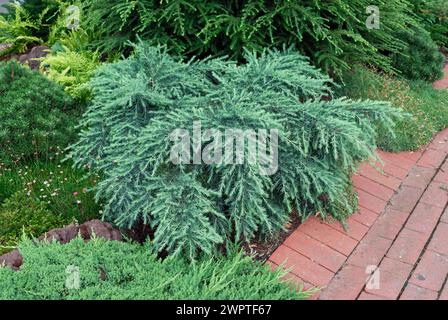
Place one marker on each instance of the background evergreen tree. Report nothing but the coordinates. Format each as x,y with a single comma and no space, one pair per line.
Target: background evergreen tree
332,33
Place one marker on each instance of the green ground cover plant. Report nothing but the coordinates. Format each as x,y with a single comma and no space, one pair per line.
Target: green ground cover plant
117,270
20,214
427,108
63,189
19,29
45,11
137,103
28,22
37,196
36,115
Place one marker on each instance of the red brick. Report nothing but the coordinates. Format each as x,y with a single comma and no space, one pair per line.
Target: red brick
329,236
392,277
432,158
368,171
314,294
439,240
442,84
370,251
404,160
296,283
368,296
372,187
444,217
424,218
354,230
392,170
365,216
431,271
419,177
408,246
444,293
405,199
413,156
413,292
442,175
389,224
301,266
436,194
440,142
395,171
370,202
315,250
346,284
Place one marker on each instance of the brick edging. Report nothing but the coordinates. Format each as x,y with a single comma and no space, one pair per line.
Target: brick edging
323,254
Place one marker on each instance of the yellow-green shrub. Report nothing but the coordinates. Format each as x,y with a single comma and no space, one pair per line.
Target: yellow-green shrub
72,70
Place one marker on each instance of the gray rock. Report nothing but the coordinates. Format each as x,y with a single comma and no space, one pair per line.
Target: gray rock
64,235
32,58
12,259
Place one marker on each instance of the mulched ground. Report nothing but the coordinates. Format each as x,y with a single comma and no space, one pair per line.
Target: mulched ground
261,250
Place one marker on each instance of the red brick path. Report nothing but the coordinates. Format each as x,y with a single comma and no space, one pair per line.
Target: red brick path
396,245
401,229
442,84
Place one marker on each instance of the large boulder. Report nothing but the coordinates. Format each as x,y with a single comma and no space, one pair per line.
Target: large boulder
93,228
12,259
62,235
32,58
100,229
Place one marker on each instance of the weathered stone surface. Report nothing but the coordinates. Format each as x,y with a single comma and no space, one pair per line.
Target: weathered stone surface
101,229
64,235
12,259
32,58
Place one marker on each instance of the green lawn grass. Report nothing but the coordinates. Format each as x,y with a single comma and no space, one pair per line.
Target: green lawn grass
40,195
64,189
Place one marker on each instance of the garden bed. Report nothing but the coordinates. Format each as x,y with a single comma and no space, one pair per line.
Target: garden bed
197,128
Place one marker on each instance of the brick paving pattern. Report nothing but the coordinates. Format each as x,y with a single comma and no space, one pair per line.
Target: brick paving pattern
396,245
400,233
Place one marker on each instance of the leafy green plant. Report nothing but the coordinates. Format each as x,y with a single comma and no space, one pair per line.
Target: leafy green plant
118,270
72,70
139,102
35,114
18,29
426,107
333,34
45,11
22,213
421,60
433,15
75,38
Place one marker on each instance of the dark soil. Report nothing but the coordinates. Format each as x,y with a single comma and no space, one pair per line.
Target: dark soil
261,250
